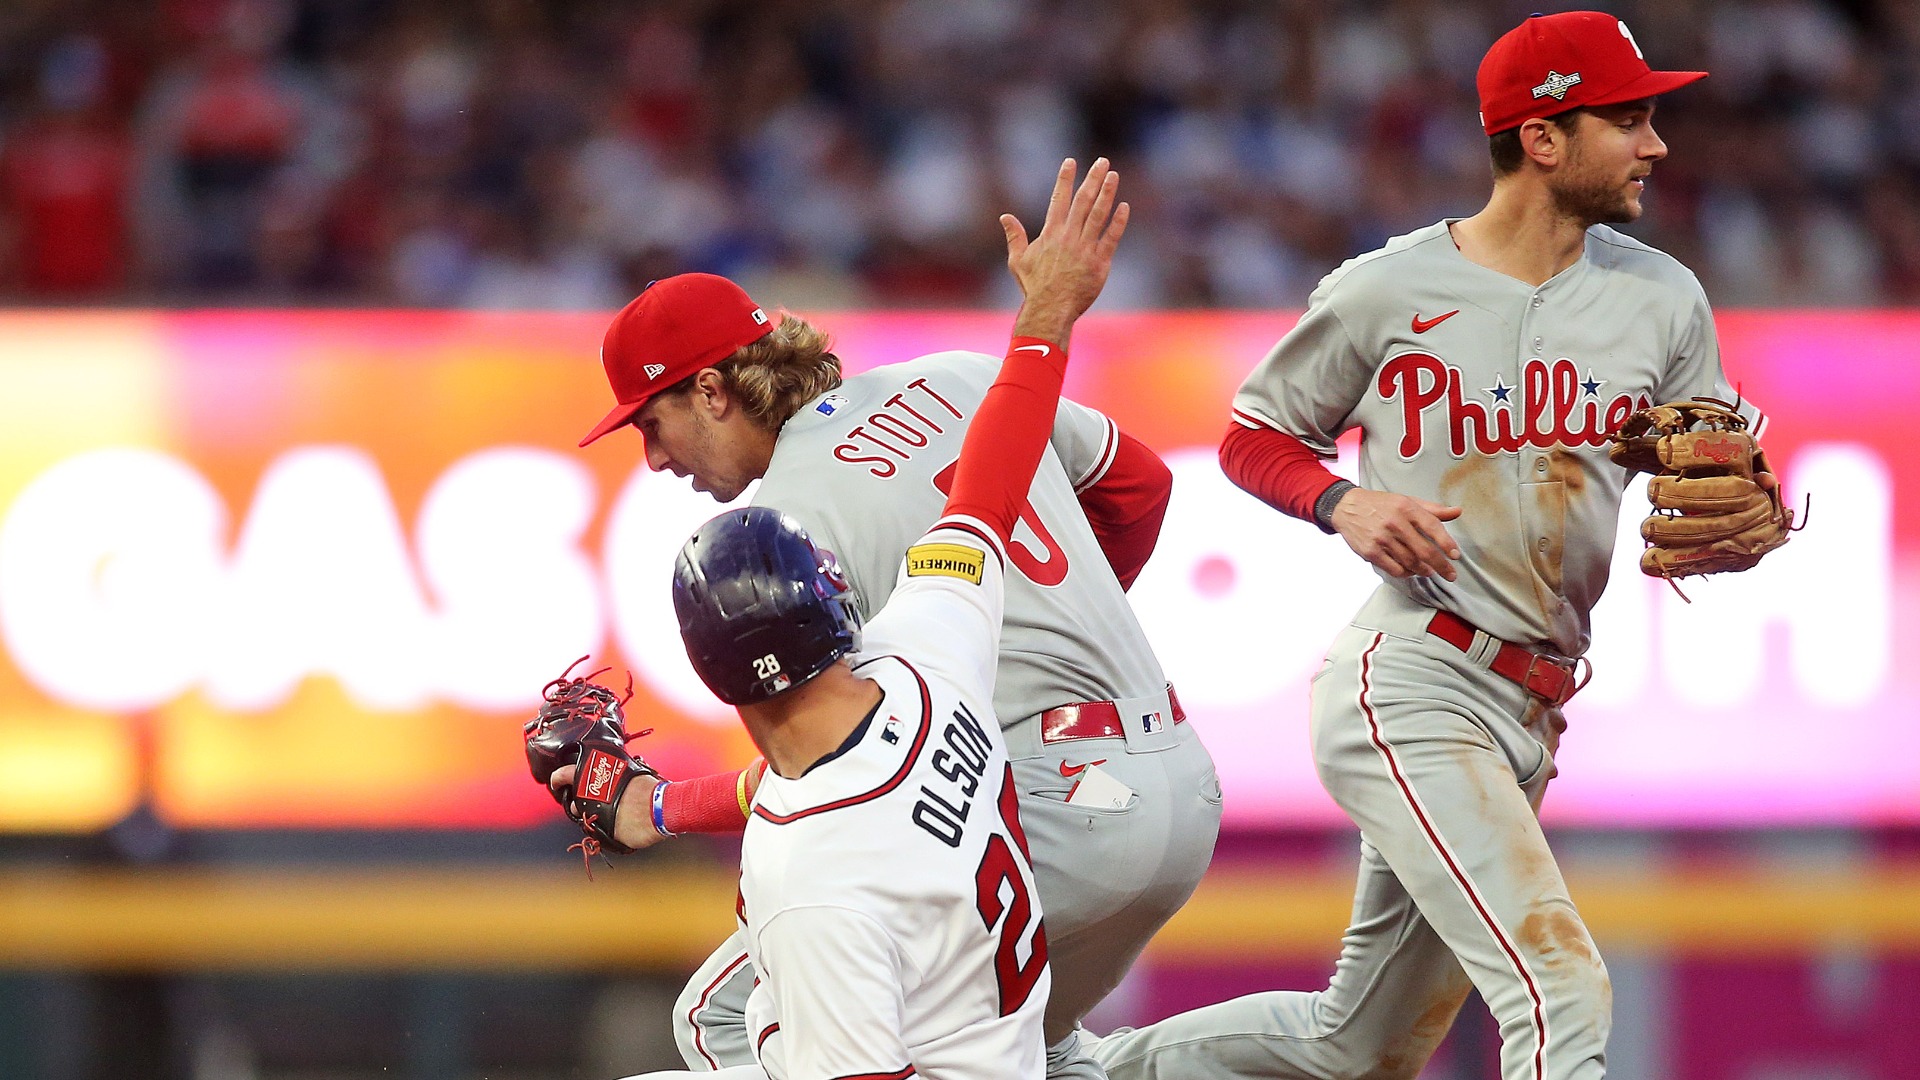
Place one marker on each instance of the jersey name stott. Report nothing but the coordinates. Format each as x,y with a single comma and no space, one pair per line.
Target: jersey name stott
963,760
904,423
1551,407
946,560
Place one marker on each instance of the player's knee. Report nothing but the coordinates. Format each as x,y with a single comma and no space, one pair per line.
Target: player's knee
684,1008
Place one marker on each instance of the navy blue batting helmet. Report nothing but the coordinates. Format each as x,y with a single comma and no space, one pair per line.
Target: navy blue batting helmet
761,609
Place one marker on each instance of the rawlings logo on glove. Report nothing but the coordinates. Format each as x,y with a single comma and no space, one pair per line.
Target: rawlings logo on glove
1710,514
582,724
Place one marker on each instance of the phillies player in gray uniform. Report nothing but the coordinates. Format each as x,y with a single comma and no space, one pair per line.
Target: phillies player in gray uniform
1484,360
1117,793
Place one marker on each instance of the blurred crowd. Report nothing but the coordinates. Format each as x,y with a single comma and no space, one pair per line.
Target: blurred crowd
562,153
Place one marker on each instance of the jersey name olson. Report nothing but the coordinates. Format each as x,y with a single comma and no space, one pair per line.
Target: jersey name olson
904,423
963,761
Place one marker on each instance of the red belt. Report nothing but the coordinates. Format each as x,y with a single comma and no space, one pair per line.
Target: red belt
1543,678
1093,720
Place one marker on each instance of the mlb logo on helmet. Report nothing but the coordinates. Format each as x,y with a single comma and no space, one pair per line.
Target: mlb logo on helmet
1565,61
676,327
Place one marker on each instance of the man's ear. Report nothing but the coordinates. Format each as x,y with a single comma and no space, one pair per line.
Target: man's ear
709,394
1544,142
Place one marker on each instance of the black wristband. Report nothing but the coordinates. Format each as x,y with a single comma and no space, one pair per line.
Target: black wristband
1330,498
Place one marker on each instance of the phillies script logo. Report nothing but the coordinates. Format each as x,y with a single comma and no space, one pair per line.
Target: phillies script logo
1551,407
598,775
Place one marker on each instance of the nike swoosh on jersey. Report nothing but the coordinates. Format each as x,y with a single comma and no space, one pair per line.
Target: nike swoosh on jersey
1421,326
1076,770
1041,349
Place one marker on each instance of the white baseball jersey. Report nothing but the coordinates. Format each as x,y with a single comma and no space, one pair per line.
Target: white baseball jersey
1481,391
887,896
865,468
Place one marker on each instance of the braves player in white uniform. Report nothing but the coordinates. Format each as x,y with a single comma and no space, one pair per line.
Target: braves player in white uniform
886,897
1119,796
1484,360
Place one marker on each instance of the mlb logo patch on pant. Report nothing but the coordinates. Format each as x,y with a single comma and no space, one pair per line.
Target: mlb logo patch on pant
1152,722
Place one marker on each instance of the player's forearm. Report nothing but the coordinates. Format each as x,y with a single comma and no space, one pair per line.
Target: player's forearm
1279,470
1127,506
718,803
1009,434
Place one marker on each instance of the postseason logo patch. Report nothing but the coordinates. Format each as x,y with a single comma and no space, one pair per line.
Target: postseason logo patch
946,560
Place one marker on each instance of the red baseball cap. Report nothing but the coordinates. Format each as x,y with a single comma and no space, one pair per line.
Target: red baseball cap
1552,63
676,327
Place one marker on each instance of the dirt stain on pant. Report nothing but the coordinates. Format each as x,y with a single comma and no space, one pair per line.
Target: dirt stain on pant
1557,937
1406,1056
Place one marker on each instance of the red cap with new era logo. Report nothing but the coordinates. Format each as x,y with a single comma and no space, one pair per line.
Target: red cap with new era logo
676,327
1552,63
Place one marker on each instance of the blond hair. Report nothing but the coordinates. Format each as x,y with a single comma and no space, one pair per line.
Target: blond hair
776,375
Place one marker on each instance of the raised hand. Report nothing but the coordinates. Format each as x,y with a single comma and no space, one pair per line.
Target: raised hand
1062,270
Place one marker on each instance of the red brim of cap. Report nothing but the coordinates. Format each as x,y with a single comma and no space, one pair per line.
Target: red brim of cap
621,415
1652,84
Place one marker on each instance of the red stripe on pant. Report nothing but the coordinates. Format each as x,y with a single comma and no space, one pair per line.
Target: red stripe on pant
706,995
1453,868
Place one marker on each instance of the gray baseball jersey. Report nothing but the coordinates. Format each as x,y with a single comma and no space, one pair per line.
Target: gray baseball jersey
1478,390
865,469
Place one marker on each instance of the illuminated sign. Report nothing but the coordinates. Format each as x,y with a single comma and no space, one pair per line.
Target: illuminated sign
269,568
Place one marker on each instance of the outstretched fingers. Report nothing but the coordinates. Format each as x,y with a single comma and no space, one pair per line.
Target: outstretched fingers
1116,228
1102,189
1016,236
1060,205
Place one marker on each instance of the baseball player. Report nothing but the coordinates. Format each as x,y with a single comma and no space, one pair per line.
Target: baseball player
1484,360
1118,796
886,896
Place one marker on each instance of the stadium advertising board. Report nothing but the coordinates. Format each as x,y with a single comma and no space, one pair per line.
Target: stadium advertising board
288,568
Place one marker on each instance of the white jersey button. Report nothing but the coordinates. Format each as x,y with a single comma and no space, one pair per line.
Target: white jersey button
1536,300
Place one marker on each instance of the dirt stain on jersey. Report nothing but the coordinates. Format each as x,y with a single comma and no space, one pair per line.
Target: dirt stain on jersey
1564,468
1479,486
1483,488
1567,467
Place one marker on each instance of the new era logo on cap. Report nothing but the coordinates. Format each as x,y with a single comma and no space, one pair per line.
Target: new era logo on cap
653,370
1565,61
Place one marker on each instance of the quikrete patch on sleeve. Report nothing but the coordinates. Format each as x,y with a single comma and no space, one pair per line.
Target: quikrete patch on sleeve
946,560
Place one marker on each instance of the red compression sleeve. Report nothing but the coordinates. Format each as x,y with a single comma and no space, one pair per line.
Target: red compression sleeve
1127,505
1281,470
1008,435
705,804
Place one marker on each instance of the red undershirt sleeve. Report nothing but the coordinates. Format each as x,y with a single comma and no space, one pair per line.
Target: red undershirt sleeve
1008,435
708,804
1127,506
1275,467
